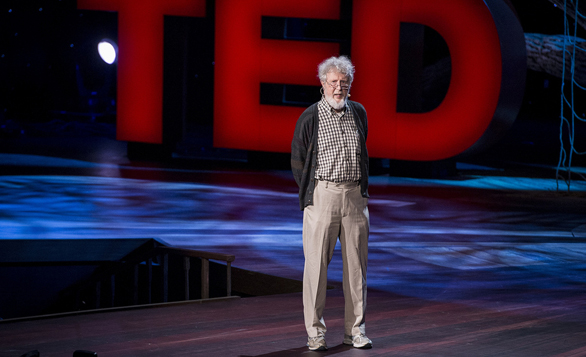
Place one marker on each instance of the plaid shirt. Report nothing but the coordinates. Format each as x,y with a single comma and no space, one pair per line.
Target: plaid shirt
338,145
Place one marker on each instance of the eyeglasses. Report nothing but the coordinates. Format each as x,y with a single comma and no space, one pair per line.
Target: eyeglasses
344,85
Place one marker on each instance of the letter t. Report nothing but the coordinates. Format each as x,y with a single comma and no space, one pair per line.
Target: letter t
140,63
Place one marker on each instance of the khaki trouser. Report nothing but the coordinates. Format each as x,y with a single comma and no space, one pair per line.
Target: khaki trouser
339,210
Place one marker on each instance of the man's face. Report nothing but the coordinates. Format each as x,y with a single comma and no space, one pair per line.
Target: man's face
336,88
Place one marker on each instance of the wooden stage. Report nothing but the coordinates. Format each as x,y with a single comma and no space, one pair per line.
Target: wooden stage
273,326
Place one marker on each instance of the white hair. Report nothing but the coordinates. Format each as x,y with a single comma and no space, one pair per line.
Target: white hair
342,64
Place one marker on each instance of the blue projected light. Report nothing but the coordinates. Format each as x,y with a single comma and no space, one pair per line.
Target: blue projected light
464,242
108,51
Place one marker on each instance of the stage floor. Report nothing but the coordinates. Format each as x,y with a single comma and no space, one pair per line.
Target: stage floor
273,326
491,261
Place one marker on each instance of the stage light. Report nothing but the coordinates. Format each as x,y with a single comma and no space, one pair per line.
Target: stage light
108,50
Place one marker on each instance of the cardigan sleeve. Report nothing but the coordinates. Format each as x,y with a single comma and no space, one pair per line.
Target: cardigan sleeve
301,143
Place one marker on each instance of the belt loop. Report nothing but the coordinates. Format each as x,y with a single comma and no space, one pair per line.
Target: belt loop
327,184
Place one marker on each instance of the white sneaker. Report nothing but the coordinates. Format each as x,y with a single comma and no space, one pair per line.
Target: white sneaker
358,341
317,343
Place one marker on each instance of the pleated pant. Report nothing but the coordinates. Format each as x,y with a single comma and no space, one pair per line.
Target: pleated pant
339,211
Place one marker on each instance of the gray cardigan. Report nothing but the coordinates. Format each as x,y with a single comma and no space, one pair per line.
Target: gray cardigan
304,151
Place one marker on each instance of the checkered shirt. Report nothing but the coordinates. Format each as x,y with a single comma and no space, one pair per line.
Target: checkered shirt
338,145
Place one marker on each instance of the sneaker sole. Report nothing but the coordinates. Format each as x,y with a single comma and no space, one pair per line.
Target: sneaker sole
368,345
350,343
320,348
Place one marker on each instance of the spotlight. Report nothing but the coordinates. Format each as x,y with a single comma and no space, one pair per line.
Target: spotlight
108,50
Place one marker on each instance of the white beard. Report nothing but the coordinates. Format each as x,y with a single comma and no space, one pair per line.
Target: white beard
334,104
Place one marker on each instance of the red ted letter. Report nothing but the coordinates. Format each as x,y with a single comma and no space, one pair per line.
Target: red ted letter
140,64
244,60
487,50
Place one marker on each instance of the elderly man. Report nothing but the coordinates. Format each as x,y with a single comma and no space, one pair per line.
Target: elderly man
330,165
